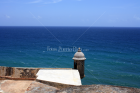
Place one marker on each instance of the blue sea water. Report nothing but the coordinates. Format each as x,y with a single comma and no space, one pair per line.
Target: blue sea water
112,53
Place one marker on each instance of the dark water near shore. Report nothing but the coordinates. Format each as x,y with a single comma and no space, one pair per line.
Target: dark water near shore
113,54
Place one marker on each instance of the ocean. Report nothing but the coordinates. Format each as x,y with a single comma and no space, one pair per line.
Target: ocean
112,53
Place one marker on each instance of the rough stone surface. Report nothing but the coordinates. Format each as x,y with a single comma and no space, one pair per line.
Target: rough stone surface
54,84
37,87
99,89
22,86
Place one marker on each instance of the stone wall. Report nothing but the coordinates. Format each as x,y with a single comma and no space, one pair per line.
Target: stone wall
15,72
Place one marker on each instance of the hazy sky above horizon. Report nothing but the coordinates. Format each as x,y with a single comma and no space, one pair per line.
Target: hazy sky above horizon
106,13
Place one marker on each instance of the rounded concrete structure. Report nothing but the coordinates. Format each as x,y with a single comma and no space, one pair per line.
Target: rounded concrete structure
79,55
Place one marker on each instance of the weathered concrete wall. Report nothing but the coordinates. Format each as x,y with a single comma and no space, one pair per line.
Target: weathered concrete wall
15,72
25,72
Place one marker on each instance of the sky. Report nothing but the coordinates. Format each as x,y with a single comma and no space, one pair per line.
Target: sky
101,13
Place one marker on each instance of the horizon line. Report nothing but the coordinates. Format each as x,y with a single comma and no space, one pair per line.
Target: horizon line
70,26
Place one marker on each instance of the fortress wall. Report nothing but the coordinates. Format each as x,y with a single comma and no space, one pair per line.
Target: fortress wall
16,72
20,72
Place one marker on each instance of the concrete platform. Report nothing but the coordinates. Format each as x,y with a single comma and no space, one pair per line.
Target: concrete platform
63,76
